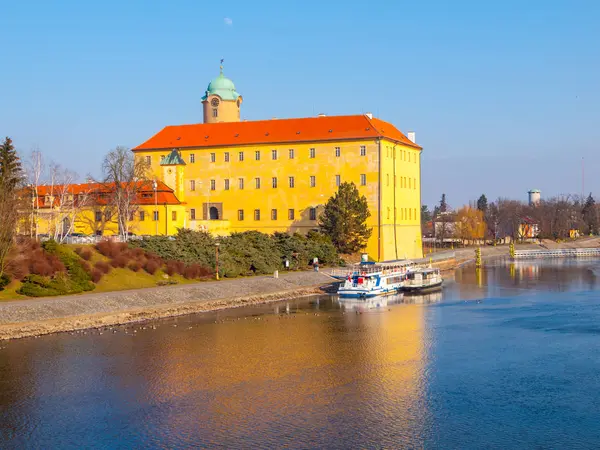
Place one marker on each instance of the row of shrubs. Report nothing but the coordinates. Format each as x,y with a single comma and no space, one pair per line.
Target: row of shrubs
240,254
136,259
52,269
69,275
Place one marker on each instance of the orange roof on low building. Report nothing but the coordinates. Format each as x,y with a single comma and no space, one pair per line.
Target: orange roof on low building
275,131
100,193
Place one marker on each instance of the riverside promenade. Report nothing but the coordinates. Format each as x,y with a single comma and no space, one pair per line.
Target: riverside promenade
22,318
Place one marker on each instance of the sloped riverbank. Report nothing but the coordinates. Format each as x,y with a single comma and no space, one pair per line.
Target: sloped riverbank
36,317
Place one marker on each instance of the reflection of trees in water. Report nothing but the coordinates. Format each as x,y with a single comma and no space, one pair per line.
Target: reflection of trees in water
551,275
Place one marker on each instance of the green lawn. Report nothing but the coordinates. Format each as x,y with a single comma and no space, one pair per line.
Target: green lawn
123,279
10,292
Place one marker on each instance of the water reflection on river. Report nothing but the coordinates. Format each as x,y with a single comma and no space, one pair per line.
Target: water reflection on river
504,357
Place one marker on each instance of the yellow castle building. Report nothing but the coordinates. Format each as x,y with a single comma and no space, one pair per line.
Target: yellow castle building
275,175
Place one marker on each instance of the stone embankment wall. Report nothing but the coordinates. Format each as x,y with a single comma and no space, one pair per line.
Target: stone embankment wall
35,317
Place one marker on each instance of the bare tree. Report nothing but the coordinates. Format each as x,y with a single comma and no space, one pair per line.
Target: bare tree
123,177
34,169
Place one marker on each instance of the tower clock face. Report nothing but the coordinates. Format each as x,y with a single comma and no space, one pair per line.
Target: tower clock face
214,102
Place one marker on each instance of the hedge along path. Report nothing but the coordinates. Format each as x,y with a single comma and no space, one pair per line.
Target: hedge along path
36,317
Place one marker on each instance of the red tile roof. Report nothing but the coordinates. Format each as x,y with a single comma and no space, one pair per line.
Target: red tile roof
100,193
309,129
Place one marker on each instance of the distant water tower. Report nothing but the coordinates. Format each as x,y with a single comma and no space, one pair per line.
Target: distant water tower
535,196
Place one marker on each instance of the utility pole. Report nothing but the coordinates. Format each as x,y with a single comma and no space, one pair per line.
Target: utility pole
582,180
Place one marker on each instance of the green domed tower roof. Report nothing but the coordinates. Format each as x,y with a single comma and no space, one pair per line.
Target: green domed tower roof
221,86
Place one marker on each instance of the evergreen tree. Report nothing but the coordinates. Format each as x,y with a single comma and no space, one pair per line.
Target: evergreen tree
443,204
590,215
344,219
11,173
482,204
425,214
11,177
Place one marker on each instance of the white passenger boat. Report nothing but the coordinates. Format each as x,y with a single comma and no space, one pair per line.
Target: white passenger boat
422,280
369,279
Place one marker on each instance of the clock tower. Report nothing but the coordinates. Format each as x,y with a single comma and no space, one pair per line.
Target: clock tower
221,102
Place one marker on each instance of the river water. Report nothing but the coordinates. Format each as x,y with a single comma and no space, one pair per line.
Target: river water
504,357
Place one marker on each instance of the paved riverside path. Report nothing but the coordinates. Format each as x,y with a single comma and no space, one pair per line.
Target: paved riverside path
48,308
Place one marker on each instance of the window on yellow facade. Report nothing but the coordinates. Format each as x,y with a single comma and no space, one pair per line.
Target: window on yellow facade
215,112
387,179
415,183
241,156
409,183
273,214
290,214
148,160
240,214
312,152
226,156
98,216
226,184
363,150
213,157
192,185
257,214
338,152
338,180
291,153
388,212
162,158
291,181
213,185
192,158
363,179
142,216
241,183
173,216
313,181
274,182
257,155
312,214
257,183
155,216
193,214
273,154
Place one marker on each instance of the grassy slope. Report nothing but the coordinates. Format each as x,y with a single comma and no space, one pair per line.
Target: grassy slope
116,280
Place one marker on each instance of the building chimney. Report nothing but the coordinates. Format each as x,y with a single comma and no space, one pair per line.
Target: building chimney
369,115
412,137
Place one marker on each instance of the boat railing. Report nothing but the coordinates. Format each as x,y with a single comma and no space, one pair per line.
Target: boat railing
370,270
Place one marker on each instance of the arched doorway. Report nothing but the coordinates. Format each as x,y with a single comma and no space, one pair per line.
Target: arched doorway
213,213
66,224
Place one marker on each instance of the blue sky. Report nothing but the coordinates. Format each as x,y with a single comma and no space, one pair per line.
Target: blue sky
503,95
